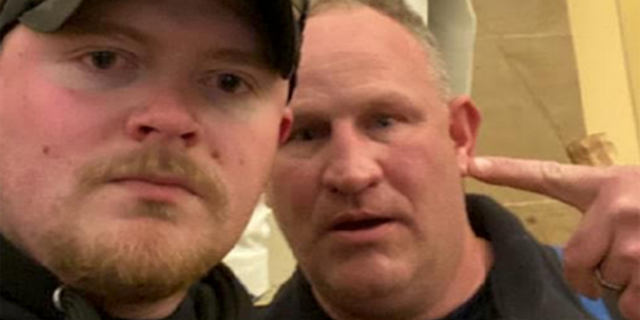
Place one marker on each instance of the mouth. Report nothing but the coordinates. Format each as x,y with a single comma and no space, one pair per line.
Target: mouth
361,224
362,228
157,187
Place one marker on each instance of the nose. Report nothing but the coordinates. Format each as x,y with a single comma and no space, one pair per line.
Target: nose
166,117
353,165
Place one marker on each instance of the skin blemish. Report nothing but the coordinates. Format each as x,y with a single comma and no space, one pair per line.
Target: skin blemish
45,150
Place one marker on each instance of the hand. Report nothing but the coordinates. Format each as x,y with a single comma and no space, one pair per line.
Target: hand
608,238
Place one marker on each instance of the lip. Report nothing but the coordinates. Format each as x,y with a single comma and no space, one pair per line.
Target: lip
361,226
159,182
357,220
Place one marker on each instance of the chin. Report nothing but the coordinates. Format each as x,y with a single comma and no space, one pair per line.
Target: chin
363,278
134,261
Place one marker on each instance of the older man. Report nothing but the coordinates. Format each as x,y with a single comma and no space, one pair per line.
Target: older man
135,140
368,190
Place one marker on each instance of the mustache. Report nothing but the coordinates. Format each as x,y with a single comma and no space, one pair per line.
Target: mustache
158,162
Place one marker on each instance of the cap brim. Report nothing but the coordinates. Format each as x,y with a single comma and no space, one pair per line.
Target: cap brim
50,15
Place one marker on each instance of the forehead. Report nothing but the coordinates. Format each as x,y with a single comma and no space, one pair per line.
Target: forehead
361,30
355,56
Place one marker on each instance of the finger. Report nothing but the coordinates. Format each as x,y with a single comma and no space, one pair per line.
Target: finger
622,265
585,250
629,302
575,185
584,283
623,258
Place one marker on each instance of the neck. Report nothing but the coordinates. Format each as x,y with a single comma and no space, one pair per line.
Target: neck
436,301
149,310
471,274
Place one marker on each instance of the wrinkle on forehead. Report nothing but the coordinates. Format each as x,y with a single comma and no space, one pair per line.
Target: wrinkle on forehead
364,43
358,78
328,68
363,28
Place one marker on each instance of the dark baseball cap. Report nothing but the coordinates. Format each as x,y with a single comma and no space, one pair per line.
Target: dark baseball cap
284,22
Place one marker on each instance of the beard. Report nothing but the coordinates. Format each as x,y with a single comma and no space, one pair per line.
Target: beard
144,261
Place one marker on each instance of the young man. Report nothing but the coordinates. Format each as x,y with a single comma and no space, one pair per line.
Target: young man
135,139
368,190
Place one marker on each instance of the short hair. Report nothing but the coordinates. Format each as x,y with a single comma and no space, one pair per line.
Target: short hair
400,12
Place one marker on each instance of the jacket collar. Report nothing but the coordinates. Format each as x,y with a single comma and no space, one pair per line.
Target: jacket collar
527,279
25,282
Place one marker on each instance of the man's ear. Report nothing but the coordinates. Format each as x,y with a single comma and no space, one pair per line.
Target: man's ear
285,125
464,123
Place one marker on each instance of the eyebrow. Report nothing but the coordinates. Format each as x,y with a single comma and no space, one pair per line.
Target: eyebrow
391,101
304,116
240,57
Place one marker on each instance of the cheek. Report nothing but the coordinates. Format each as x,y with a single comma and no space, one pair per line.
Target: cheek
49,117
250,150
293,191
292,196
44,135
243,154
426,173
35,136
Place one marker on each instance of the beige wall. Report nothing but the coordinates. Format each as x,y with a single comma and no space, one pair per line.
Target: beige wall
526,84
605,38
630,17
549,72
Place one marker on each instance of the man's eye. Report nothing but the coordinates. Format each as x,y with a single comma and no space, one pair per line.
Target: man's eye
229,82
308,134
109,60
103,60
384,121
304,135
225,83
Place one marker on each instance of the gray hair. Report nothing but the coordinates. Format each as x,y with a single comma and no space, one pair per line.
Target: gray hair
398,11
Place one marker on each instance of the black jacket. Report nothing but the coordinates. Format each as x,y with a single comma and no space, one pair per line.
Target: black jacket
26,291
526,281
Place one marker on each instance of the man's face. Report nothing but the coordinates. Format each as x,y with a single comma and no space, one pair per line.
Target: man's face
367,188
135,142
